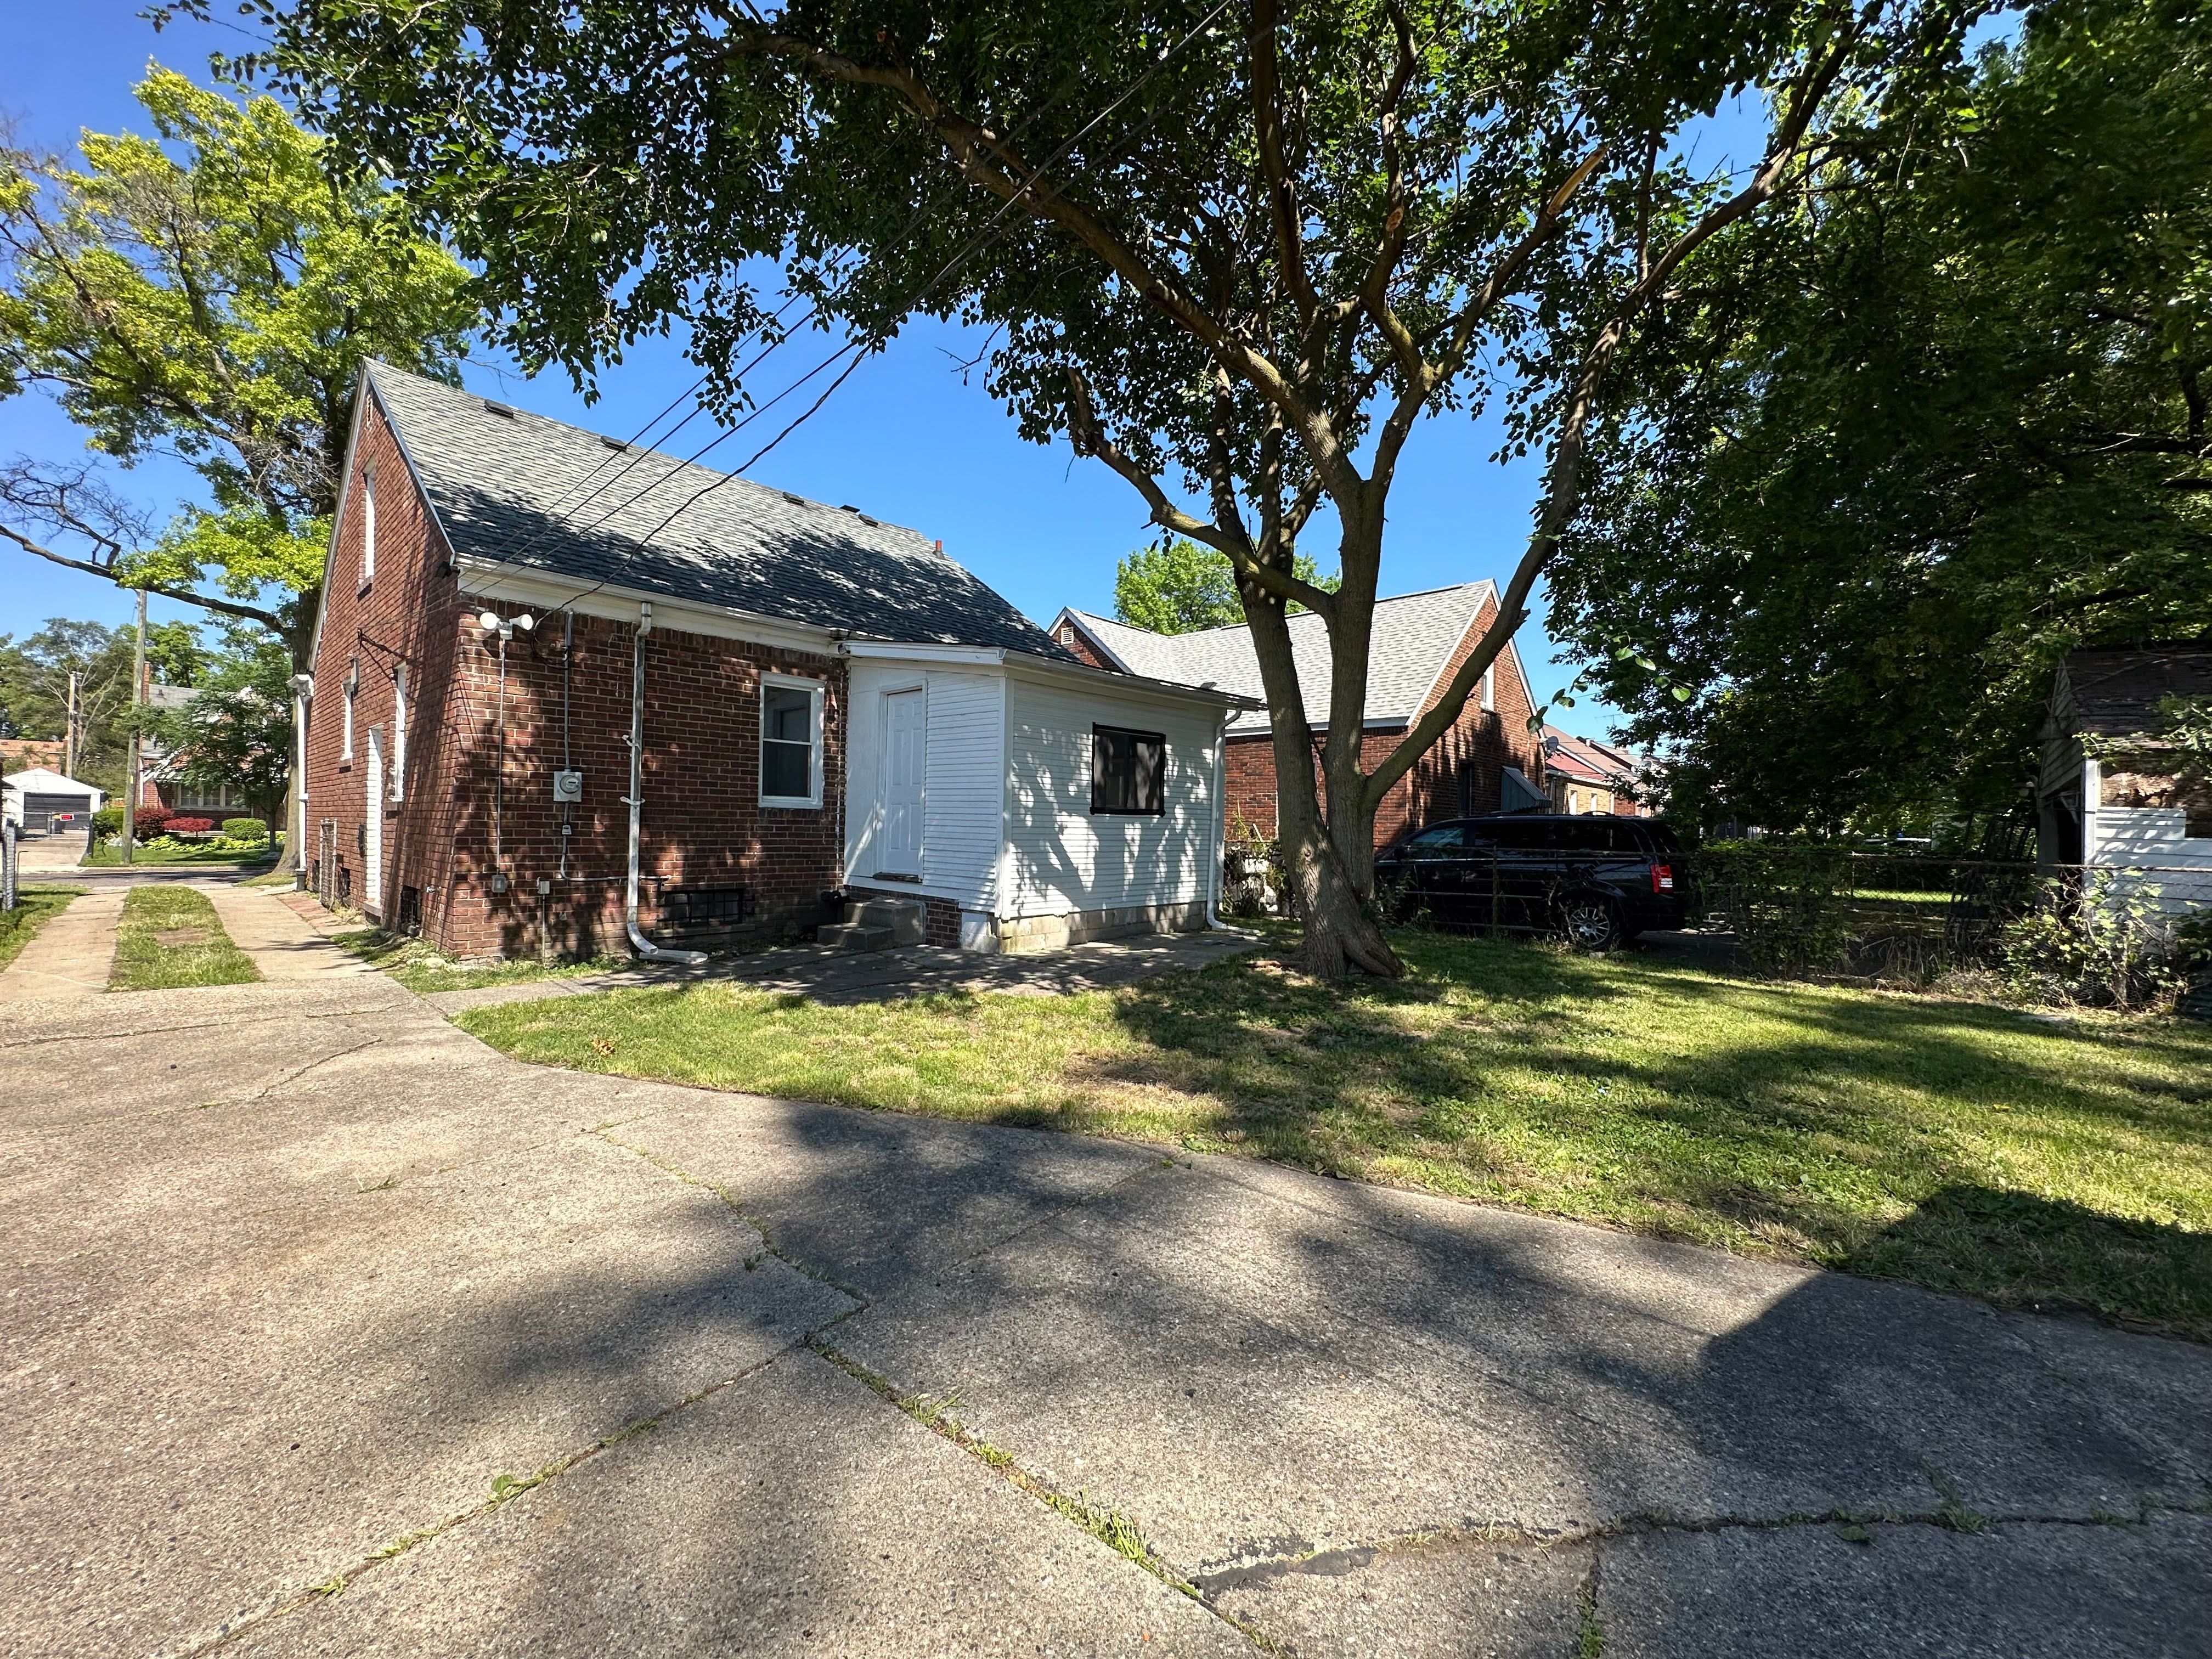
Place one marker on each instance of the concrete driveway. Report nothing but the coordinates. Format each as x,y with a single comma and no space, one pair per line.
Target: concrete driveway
328,1330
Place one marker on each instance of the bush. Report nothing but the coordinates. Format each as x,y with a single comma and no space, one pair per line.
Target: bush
190,826
2104,944
152,821
108,821
245,830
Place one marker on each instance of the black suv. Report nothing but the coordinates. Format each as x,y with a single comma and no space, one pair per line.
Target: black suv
1600,881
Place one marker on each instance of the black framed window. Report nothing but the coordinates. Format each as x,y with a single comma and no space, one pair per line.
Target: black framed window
1128,770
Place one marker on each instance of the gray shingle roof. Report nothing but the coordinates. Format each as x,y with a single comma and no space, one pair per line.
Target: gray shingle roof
1414,637
2116,693
541,493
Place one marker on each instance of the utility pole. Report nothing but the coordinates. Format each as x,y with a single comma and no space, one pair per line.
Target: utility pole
138,704
69,730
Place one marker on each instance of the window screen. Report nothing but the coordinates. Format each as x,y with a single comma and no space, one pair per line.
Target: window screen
1128,770
787,739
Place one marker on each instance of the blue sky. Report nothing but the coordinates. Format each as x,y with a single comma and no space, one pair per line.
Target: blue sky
904,438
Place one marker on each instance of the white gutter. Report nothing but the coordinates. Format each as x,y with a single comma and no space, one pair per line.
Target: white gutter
646,948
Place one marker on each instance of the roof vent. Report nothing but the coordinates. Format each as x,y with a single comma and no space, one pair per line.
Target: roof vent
849,508
796,500
867,521
615,444
492,408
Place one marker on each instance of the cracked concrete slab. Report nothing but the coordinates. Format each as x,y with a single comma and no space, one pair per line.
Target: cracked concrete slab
2008,1592
882,1202
1257,1364
791,1513
249,1345
1456,1600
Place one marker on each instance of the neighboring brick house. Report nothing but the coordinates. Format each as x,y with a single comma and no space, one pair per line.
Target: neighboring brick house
1582,776
1488,761
828,706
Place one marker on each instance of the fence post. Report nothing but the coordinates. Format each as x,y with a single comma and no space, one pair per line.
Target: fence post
7,864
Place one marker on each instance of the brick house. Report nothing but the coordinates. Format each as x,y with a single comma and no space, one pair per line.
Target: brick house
1486,761
826,707
1582,775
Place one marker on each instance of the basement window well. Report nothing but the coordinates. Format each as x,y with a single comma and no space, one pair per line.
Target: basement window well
791,742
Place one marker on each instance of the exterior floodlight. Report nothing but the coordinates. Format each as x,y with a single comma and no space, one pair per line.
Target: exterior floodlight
487,622
525,622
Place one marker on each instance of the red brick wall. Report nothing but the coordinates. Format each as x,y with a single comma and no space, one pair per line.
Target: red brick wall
1458,776
704,827
1074,638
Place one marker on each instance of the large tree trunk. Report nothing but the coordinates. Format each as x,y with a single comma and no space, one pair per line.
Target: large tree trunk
1329,890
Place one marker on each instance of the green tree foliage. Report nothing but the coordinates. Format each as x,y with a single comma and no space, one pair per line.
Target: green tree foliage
1917,443
236,733
1179,586
35,675
1237,253
209,292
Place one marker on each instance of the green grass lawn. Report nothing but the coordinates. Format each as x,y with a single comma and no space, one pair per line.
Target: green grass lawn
105,857
170,938
34,907
423,970
1960,1146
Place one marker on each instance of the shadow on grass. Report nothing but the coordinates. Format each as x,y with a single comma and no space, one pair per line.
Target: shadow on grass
2031,1164
2049,1256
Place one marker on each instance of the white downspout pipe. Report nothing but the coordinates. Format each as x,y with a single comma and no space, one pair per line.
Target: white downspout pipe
1220,822
303,693
646,948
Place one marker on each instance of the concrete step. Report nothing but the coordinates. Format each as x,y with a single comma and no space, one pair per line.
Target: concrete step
853,936
906,918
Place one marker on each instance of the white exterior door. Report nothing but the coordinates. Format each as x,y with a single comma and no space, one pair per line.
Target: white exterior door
372,898
906,758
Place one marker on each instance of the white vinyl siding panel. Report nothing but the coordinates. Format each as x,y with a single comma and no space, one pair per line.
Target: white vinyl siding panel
962,802
1062,858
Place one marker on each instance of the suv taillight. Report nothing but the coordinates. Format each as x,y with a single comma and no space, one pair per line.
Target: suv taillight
1663,878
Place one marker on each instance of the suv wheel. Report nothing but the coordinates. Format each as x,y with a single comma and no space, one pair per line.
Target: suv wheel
1590,922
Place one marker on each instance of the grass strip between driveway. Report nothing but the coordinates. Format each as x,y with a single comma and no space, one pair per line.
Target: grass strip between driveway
170,938
1960,1146
34,907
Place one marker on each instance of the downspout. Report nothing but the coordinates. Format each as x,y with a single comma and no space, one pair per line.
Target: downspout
303,693
646,948
1213,921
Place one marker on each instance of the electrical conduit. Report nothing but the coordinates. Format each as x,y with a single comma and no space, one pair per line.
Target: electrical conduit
646,948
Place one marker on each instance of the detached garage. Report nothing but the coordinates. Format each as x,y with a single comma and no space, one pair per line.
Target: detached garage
39,801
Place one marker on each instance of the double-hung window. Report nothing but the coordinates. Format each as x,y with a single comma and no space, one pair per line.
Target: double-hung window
1129,771
791,742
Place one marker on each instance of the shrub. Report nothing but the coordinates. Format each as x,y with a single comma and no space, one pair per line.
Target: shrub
190,826
108,821
152,821
245,830
2106,943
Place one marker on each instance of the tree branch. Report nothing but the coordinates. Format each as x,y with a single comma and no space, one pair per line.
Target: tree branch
268,619
1561,485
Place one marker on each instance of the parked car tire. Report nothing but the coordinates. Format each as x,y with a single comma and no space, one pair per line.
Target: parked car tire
1591,921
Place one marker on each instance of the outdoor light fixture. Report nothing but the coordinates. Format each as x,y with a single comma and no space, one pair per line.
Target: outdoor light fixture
489,620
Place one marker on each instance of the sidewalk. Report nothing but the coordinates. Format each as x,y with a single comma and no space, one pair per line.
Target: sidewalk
70,955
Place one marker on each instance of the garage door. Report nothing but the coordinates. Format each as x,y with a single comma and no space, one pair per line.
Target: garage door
42,812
